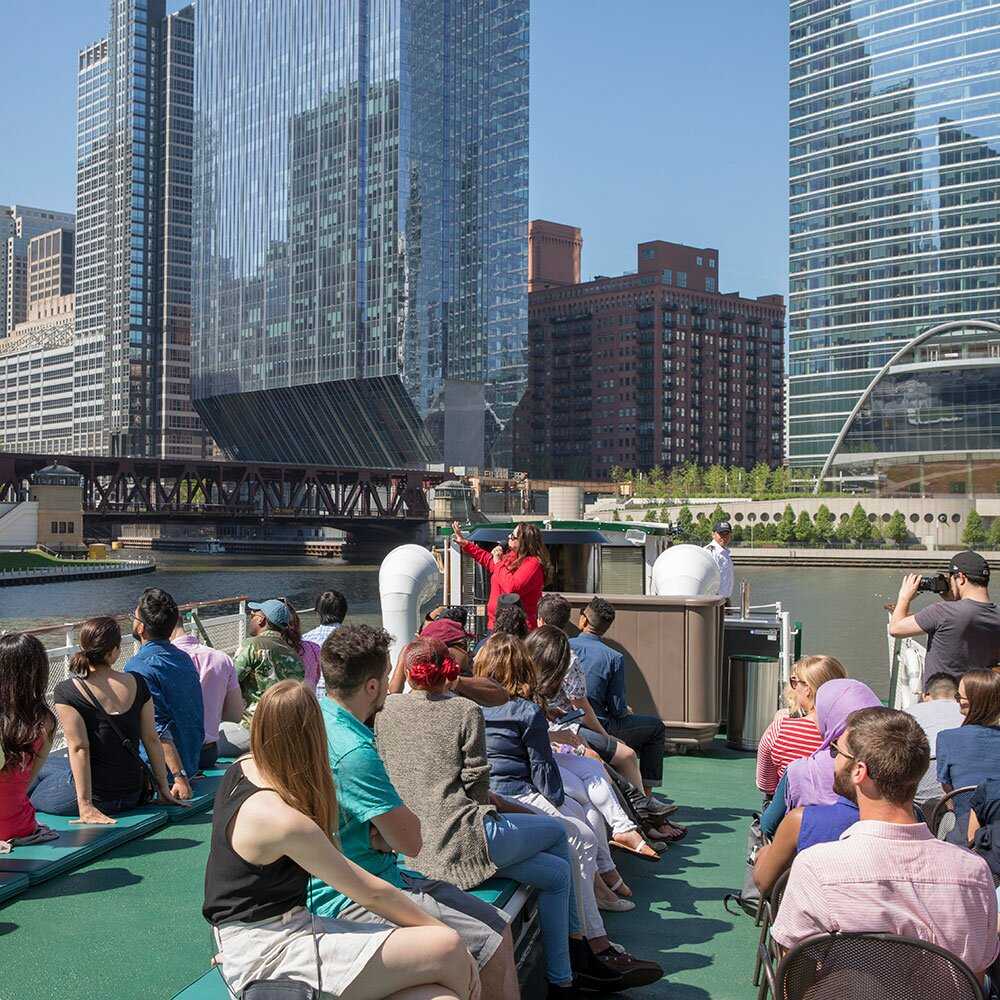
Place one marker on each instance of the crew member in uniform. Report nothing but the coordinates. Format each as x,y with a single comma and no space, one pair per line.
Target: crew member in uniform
718,549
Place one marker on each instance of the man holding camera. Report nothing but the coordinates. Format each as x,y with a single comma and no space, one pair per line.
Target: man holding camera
963,628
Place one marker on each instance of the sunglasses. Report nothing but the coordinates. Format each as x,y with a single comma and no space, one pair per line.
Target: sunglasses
836,752
795,682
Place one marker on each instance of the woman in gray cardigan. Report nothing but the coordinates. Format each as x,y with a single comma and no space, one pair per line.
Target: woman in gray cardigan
434,748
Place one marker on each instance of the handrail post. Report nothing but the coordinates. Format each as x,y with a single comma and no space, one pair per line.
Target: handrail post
241,625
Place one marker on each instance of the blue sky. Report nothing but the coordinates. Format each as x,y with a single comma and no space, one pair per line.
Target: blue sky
650,119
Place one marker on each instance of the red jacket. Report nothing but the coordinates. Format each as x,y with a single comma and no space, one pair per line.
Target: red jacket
526,581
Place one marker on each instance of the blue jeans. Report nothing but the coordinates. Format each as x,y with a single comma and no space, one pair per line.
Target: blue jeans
53,792
771,817
534,850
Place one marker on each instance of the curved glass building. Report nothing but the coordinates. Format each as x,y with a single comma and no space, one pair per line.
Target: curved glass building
360,228
894,216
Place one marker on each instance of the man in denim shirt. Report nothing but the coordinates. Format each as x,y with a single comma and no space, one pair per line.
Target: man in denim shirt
604,669
172,679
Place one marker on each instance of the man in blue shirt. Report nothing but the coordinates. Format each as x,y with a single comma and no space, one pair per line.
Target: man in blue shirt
604,669
374,823
173,682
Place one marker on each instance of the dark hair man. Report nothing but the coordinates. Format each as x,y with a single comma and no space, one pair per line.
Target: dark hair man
374,823
604,670
888,873
963,628
331,606
938,710
172,679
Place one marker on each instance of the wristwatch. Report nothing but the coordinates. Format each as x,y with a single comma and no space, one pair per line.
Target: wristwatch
182,774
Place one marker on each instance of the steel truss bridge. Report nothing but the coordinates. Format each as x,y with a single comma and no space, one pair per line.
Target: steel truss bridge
141,489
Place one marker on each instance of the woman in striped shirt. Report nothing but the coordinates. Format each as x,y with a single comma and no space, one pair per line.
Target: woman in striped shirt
792,736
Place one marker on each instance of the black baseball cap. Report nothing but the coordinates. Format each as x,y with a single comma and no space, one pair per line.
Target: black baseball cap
723,528
972,564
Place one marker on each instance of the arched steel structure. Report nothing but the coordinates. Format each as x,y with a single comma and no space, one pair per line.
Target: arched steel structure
934,331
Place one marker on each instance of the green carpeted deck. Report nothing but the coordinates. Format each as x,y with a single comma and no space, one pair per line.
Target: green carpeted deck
129,926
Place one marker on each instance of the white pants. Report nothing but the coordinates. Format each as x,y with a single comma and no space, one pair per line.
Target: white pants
588,784
583,843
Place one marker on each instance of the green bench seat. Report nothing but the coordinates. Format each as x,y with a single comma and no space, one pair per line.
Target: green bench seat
11,885
77,844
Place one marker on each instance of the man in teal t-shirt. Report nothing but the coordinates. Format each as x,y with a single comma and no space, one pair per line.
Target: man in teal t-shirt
375,825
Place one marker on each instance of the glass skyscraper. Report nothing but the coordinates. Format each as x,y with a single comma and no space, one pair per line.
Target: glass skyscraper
894,214
135,93
360,223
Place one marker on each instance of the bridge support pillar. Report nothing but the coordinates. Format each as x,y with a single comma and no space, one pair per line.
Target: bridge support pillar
367,545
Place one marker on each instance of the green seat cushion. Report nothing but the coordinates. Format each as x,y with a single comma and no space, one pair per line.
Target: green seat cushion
209,987
11,885
496,891
204,790
77,844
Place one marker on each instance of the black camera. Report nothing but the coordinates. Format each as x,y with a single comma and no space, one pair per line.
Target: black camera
934,584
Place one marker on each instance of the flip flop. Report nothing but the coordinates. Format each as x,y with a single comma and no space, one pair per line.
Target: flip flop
633,851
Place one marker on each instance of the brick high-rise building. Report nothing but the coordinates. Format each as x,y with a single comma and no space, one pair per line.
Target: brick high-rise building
553,255
652,368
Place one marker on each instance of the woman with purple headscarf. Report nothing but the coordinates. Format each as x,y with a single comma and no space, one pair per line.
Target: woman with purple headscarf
809,781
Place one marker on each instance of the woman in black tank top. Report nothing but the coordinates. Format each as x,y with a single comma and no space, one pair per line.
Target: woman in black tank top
271,830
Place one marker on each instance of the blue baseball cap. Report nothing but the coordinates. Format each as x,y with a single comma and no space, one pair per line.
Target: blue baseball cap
274,611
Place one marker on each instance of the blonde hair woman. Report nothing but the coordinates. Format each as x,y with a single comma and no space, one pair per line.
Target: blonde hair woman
272,827
790,737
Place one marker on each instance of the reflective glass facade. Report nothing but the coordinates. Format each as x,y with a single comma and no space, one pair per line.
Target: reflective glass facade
937,407
360,223
894,194
135,94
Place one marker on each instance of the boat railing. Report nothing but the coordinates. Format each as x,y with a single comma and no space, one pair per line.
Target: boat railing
224,631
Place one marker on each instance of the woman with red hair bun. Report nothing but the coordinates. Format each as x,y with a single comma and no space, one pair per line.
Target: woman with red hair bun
433,743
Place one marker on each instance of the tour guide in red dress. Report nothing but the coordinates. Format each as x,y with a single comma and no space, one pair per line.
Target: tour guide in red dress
520,570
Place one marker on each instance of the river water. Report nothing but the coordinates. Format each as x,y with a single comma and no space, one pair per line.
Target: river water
841,610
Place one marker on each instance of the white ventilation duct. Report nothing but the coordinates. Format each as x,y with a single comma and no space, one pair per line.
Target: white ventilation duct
685,571
407,579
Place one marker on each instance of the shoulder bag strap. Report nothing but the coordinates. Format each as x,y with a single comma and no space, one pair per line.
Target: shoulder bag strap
82,685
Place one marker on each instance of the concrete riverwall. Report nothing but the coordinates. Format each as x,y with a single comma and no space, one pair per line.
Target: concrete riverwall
85,571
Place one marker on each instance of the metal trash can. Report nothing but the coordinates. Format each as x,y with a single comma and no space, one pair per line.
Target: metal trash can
752,701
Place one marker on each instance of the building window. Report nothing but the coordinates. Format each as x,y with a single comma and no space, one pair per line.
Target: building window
649,253
682,279
711,262
710,284
700,261
70,527
55,527
668,277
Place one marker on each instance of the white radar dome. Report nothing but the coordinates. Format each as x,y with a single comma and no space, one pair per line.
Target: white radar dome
685,571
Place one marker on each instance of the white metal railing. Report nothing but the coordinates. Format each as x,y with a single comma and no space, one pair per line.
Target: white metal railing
224,632
136,565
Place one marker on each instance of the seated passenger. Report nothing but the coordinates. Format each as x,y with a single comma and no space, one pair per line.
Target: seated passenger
554,609
99,709
789,737
970,754
172,679
26,729
888,873
375,824
523,768
584,778
307,649
434,747
265,657
331,606
936,711
808,781
220,690
273,826
604,669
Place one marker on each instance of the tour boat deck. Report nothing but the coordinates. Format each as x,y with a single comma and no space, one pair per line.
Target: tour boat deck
128,925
